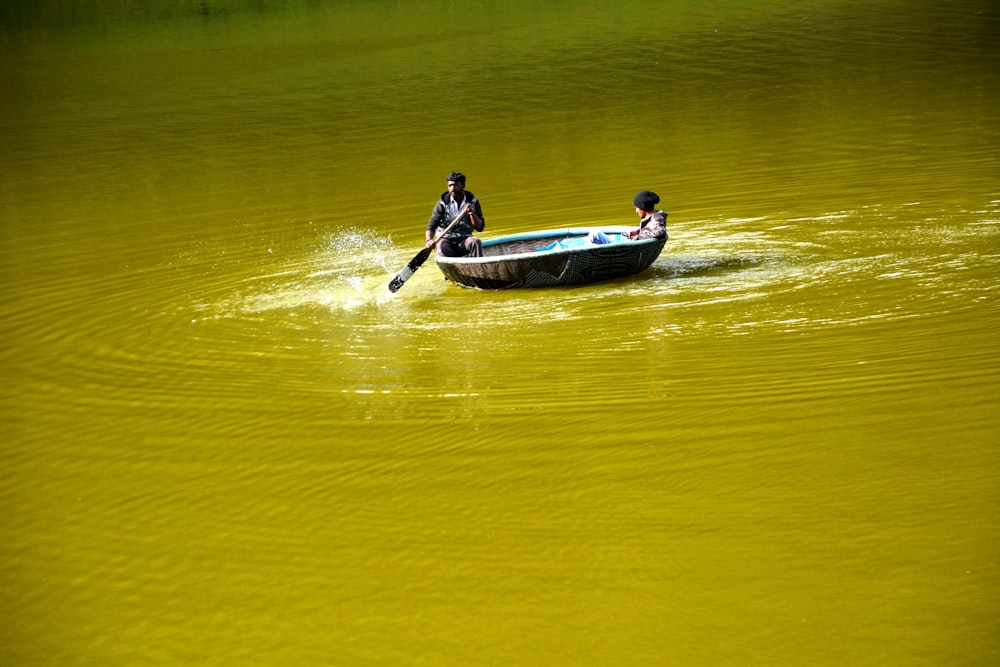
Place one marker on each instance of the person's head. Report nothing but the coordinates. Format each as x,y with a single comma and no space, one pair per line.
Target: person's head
456,182
645,202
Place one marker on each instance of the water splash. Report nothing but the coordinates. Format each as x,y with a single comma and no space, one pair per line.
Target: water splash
347,271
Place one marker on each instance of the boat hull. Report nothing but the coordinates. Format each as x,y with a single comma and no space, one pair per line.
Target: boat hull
529,260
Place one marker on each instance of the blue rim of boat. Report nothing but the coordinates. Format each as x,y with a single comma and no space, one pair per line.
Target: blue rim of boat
540,235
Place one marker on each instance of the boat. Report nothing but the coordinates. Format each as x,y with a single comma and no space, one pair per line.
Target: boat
553,258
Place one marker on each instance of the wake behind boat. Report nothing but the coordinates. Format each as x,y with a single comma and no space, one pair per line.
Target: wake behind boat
552,258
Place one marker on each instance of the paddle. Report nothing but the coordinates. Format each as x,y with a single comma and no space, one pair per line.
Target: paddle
422,256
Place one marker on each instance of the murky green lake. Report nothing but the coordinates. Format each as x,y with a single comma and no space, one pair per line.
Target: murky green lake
225,443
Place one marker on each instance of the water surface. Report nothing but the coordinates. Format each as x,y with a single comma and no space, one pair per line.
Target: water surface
226,442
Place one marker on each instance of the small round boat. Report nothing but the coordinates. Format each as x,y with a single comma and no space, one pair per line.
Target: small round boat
552,258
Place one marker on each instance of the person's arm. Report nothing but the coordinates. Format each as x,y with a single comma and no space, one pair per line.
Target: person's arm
437,218
478,222
654,227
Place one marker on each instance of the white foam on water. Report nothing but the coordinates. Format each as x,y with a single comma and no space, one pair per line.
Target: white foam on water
349,270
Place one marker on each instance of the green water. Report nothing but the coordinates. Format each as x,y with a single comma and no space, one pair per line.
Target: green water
224,442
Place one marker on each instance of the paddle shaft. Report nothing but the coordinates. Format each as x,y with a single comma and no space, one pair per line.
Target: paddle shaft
422,256
466,209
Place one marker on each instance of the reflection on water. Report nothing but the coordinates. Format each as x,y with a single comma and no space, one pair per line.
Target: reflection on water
227,442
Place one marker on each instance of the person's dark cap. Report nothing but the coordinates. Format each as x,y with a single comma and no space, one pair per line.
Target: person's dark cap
457,176
646,200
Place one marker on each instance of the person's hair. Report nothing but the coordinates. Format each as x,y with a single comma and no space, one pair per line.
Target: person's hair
457,176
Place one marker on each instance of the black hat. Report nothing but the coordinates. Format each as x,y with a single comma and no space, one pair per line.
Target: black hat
646,200
457,176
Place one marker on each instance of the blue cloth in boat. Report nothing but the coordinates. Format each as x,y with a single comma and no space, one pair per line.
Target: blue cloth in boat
594,238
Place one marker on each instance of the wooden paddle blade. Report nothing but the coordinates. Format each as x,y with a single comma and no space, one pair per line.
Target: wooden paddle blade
409,270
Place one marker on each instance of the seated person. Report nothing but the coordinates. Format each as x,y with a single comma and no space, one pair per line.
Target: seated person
653,222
